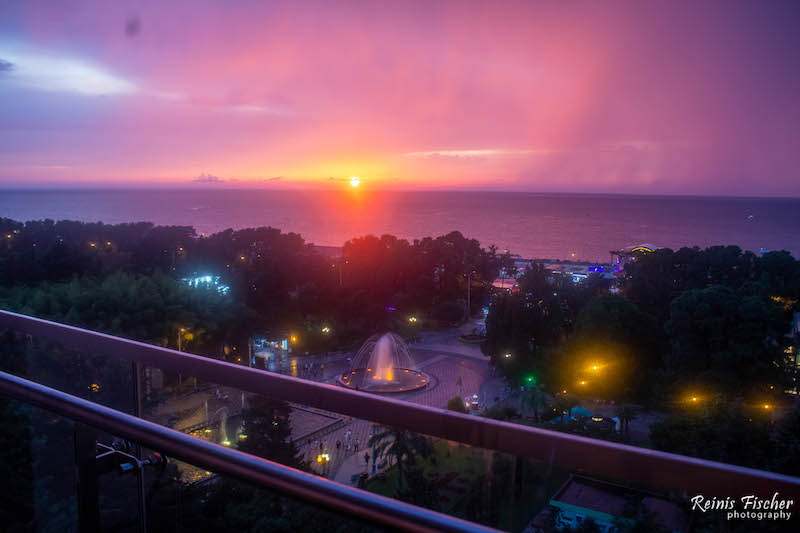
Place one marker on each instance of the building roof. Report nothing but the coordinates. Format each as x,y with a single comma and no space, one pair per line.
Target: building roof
645,247
507,283
620,501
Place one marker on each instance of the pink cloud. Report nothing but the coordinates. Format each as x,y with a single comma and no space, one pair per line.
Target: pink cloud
661,96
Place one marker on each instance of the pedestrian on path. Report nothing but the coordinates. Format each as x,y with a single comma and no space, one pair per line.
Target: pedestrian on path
356,445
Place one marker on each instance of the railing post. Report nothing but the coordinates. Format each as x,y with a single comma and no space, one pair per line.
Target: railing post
140,483
88,503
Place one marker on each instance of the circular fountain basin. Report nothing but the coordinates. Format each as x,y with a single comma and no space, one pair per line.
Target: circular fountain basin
369,380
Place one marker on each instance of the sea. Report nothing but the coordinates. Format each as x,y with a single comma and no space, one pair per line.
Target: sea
577,227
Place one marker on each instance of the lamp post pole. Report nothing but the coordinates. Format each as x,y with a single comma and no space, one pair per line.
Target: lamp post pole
469,286
180,377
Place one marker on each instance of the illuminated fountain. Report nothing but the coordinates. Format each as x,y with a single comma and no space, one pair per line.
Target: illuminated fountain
383,364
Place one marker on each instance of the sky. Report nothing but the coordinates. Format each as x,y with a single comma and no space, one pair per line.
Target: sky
657,97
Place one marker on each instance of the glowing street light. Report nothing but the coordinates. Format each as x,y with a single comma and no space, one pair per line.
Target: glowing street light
326,329
412,319
507,355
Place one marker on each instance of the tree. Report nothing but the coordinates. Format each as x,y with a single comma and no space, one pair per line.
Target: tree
729,339
268,433
456,403
564,403
787,443
729,432
625,413
615,348
421,491
535,399
402,445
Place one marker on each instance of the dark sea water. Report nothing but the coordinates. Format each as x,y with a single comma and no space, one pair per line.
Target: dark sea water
532,225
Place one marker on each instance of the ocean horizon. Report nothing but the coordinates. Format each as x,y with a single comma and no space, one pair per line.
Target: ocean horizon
581,226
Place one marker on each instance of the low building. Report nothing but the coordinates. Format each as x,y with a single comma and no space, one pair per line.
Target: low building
608,506
207,281
577,272
620,258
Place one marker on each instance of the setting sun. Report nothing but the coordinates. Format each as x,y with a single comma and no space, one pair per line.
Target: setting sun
355,181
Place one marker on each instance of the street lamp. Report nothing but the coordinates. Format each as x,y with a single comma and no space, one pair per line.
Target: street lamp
323,459
469,286
181,331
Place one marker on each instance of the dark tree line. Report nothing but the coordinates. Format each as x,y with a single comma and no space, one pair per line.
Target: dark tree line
276,279
715,320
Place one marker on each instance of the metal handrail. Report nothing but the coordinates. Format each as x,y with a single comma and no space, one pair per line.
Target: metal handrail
287,481
602,458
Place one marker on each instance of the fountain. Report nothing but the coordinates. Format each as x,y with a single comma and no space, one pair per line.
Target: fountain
223,426
383,364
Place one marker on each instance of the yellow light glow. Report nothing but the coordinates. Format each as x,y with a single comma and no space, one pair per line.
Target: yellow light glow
355,181
766,406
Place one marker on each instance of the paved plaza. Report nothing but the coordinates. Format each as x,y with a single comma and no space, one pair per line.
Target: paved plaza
456,369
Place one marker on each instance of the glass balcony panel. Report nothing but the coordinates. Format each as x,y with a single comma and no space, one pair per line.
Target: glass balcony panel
64,480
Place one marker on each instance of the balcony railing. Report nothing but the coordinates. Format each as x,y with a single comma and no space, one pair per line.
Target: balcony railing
575,453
